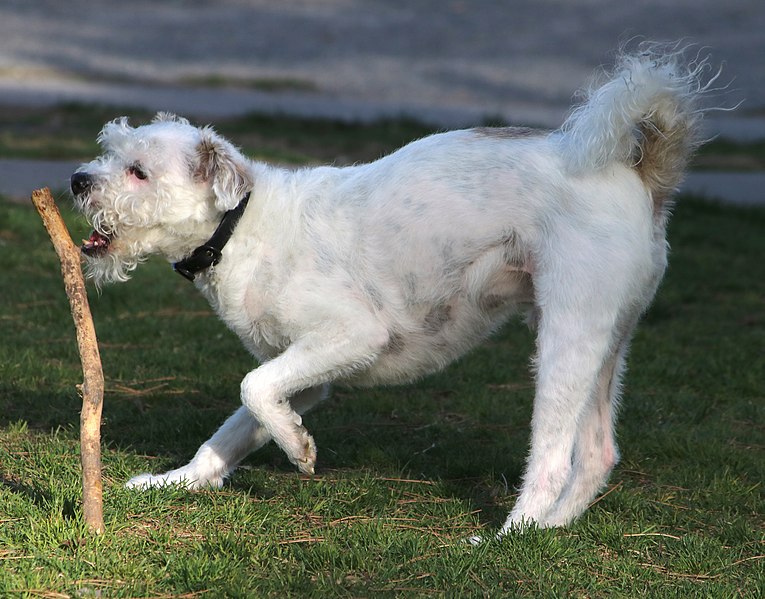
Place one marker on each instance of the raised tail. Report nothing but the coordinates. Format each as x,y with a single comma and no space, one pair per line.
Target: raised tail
647,115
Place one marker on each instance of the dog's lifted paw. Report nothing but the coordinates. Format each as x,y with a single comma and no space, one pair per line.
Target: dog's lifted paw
304,451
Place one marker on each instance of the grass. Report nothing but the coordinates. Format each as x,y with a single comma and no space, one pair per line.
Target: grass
68,132
404,474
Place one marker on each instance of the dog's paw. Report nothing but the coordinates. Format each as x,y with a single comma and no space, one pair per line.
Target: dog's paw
477,540
145,480
181,477
520,524
301,450
307,462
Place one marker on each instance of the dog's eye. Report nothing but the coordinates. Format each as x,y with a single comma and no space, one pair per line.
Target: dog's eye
137,171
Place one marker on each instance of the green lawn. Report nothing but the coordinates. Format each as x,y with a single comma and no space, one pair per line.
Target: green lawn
404,474
69,132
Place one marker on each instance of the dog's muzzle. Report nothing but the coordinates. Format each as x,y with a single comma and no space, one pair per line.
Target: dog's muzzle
98,243
81,183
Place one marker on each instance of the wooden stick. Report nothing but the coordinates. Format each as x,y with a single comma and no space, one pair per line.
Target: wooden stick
92,388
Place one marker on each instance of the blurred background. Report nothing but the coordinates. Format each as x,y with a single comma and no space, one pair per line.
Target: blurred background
446,63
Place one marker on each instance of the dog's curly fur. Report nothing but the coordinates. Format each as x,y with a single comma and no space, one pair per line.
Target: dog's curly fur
384,272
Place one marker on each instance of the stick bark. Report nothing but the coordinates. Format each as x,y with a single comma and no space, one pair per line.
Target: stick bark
92,388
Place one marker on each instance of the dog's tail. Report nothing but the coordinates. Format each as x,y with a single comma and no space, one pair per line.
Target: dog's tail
646,115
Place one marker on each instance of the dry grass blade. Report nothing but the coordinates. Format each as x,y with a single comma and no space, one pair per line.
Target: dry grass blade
651,534
301,540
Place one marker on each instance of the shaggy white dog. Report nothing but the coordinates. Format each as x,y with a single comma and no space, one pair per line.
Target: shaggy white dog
384,272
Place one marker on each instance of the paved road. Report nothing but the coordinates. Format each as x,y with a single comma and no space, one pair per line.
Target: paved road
448,61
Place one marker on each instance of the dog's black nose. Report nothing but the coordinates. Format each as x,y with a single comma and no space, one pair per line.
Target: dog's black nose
81,183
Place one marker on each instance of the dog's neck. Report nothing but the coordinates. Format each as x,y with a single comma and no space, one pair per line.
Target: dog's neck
209,253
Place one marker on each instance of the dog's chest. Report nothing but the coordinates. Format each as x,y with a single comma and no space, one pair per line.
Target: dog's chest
243,304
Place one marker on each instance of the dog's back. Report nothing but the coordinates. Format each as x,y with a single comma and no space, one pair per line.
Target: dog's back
457,227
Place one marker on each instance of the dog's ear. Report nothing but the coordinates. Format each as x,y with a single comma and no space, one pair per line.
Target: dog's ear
169,117
114,130
222,165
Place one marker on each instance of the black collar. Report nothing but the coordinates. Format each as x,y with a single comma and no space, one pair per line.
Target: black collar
209,254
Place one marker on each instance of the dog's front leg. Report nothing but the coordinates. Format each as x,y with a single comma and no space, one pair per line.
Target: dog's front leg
312,360
240,435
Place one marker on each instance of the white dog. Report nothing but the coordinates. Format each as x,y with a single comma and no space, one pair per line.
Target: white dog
384,272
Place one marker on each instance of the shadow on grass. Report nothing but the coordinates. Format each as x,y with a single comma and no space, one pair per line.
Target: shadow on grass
426,433
40,411
42,498
400,434
32,493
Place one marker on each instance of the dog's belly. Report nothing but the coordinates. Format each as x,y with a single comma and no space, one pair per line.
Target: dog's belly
430,336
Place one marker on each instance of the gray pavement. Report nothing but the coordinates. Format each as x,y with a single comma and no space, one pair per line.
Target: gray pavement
19,177
451,63
448,61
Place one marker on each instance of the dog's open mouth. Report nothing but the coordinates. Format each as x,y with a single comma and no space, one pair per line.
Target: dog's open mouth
97,245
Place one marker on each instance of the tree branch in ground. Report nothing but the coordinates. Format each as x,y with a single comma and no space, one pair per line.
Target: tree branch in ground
92,388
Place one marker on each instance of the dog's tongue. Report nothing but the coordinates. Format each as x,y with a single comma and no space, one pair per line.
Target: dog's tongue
97,244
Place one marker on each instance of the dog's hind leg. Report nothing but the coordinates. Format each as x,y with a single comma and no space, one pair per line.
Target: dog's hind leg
579,297
569,358
240,435
595,450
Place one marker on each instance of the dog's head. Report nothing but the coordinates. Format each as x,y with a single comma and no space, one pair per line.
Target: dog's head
160,188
